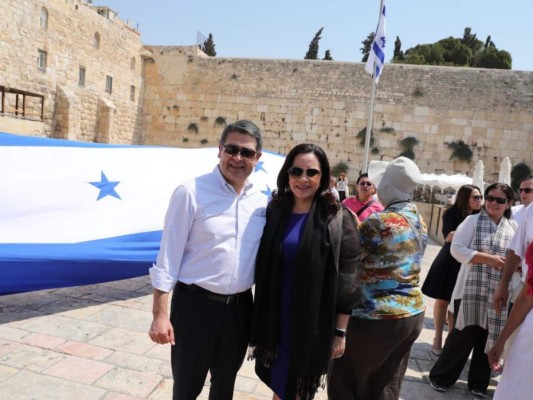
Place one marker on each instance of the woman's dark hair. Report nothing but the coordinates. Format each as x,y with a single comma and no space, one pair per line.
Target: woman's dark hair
509,194
363,175
326,201
463,198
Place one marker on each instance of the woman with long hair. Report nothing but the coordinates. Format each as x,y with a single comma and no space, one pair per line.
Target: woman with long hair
480,244
442,275
305,278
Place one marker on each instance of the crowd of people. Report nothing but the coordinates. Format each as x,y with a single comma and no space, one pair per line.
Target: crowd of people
337,296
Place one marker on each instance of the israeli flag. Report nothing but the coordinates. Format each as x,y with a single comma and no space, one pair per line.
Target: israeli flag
376,57
75,213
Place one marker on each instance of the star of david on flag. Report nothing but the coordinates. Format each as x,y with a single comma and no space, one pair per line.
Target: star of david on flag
376,57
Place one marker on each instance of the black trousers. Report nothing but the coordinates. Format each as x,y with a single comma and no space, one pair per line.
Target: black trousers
375,359
454,356
210,336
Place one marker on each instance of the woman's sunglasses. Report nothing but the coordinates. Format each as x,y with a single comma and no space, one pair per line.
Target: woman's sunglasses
477,198
498,200
233,150
527,190
297,172
364,184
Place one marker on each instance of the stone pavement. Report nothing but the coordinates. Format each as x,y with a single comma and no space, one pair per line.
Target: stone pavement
91,342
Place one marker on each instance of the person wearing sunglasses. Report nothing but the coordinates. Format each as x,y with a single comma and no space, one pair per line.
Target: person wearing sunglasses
515,258
207,255
305,278
480,244
525,192
442,275
382,329
363,204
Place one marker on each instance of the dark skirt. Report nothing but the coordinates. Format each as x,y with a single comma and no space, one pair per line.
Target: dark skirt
442,275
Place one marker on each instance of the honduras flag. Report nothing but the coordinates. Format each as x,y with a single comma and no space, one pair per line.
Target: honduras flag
376,57
76,213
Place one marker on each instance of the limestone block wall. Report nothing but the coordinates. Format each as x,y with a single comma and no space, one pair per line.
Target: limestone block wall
73,36
188,100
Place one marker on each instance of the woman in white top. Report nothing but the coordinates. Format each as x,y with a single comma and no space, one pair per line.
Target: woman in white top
480,244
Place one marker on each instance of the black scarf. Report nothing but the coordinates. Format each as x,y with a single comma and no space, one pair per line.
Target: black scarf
312,312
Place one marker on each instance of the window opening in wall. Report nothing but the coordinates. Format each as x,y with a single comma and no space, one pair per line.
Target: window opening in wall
109,84
44,18
132,93
41,60
96,43
81,79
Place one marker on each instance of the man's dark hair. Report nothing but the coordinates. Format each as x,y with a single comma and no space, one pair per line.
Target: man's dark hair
246,127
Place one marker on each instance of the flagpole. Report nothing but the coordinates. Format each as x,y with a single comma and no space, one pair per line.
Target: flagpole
368,133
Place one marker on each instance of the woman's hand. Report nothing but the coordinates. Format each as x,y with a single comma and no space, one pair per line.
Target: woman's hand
337,349
496,261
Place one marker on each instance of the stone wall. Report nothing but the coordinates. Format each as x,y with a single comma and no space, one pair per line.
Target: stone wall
69,39
188,99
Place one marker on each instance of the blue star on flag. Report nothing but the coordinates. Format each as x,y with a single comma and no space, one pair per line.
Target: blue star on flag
106,187
267,192
259,166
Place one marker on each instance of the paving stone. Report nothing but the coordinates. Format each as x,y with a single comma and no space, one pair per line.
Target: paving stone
136,362
7,332
28,385
163,390
30,358
130,382
79,369
123,340
84,350
6,372
68,328
43,341
117,316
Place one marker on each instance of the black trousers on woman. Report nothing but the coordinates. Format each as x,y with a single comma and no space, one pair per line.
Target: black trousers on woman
210,336
455,354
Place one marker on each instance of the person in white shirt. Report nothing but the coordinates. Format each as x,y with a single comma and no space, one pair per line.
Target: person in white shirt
517,248
210,239
525,192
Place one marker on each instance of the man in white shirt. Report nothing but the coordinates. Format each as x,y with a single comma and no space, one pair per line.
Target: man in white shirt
517,248
210,239
526,197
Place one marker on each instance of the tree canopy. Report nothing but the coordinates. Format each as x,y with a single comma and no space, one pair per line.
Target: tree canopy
208,47
467,51
312,53
367,45
327,56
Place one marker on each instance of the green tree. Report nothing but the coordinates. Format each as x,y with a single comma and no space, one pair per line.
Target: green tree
367,45
467,51
327,56
312,53
208,46
491,57
398,53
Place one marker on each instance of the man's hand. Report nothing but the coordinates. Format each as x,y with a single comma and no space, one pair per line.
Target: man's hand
161,331
501,295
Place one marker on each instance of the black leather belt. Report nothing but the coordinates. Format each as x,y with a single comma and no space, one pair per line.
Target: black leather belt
221,298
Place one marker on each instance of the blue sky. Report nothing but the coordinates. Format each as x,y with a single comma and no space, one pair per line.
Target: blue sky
283,28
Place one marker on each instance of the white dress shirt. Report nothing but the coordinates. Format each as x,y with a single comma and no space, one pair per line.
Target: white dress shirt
523,237
211,236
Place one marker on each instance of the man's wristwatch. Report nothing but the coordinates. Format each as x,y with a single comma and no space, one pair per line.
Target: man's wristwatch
339,332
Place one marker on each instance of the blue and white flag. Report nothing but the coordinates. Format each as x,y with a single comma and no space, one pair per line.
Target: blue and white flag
376,57
74,213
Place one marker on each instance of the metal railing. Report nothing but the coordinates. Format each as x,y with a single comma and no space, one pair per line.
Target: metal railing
19,107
